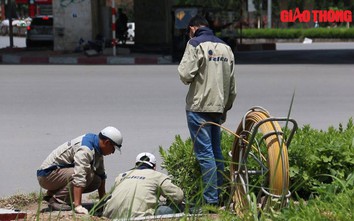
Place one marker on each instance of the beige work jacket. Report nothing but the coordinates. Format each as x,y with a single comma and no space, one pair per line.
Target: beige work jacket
208,66
137,191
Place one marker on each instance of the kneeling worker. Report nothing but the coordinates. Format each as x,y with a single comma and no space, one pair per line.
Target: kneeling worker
136,192
76,167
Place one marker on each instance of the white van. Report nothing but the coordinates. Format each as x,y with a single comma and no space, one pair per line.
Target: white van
131,31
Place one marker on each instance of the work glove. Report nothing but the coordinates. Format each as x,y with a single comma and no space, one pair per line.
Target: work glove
81,210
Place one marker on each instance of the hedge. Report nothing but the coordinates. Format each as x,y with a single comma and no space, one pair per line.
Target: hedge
317,159
344,33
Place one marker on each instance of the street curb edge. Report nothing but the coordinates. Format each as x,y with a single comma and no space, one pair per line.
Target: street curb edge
106,60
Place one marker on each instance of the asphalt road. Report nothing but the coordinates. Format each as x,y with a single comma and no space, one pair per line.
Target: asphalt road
44,106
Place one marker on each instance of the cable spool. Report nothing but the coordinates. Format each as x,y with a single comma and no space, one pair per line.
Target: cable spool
260,138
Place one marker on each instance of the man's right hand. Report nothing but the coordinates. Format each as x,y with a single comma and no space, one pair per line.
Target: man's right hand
77,195
81,210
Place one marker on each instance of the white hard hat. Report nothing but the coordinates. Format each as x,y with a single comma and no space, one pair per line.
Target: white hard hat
147,158
114,135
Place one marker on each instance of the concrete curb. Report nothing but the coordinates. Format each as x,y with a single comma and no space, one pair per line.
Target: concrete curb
257,47
84,60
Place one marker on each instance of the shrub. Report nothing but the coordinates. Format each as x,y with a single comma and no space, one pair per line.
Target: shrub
317,159
271,33
180,162
328,33
182,166
343,33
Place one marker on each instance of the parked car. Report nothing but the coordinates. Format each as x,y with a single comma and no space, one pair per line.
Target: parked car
40,32
131,31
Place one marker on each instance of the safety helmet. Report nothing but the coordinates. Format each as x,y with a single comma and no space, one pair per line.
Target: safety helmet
114,135
147,158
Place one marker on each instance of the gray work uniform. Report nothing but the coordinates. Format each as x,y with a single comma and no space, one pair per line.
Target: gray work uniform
137,191
78,162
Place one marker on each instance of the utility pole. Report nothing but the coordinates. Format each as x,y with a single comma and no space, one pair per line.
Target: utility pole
114,40
269,14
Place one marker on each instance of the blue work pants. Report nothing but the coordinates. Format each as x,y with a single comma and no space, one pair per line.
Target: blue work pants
207,148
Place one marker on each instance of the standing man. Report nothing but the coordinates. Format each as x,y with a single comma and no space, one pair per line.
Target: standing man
122,26
76,167
207,66
136,192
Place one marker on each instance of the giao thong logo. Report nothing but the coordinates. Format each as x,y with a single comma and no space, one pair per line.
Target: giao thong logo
316,16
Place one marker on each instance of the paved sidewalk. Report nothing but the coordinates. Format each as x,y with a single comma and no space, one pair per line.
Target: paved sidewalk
40,56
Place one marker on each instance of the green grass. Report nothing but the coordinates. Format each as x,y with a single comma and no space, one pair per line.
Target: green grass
323,207
330,206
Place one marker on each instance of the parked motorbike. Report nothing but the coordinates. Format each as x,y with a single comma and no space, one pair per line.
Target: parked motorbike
93,47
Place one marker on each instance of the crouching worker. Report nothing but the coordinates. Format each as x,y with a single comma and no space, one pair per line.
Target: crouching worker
76,167
136,192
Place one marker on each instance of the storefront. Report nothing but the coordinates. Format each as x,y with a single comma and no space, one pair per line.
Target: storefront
39,7
31,8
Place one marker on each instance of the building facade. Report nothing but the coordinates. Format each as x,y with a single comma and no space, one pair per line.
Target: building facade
85,19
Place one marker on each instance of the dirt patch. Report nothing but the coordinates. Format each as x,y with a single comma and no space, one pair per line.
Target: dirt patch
33,215
39,211
28,203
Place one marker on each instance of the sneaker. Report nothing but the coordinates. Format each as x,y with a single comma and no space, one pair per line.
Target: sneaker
55,206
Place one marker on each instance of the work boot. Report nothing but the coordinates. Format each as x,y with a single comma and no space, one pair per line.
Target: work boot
54,205
47,198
